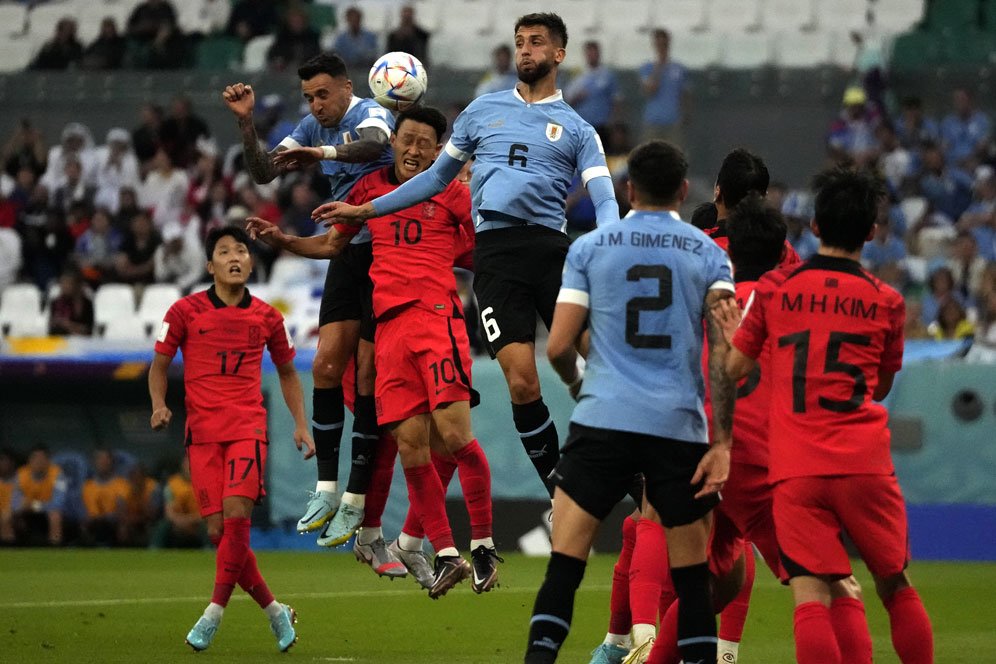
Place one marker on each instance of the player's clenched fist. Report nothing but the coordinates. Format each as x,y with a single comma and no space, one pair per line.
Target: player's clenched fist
160,418
240,99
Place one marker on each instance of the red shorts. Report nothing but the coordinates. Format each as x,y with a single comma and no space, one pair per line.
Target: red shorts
423,362
219,470
747,502
726,545
811,513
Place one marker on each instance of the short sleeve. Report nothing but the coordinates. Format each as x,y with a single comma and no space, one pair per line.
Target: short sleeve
892,354
279,342
591,155
378,117
752,332
301,136
463,140
574,285
720,275
172,331
645,70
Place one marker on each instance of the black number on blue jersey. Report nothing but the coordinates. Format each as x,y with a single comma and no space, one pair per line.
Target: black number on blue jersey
831,364
237,354
515,158
636,305
412,233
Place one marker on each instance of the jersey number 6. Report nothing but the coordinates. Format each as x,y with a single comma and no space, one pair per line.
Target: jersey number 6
491,329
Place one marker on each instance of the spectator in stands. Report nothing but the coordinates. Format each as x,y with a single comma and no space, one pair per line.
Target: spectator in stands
940,288
205,173
894,161
148,18
852,135
980,217
103,501
884,255
965,132
987,324
501,76
214,209
76,141
296,218
38,501
869,67
10,205
409,37
252,18
295,42
145,137
593,92
25,149
179,259
665,86
211,18
108,50
142,503
797,210
181,525
180,130
966,265
116,167
617,149
73,189
913,127
97,248
946,187
46,248
164,190
356,45
63,50
72,309
134,263
169,49
270,122
8,477
127,209
915,328
952,322
775,198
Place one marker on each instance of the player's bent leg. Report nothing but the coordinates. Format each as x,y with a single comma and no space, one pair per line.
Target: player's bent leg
815,642
617,642
912,635
647,575
734,615
686,546
850,624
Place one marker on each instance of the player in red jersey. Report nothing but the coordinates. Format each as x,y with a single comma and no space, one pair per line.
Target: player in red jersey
423,384
222,332
835,336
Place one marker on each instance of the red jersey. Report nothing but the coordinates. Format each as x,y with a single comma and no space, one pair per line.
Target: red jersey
222,362
831,328
719,236
415,250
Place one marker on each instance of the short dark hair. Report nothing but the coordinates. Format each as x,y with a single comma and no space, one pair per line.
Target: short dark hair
757,234
656,170
426,115
705,216
40,447
741,173
323,63
846,206
216,234
549,20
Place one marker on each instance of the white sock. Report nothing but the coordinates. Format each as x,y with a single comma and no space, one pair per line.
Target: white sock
273,609
621,640
448,551
643,633
354,499
487,542
368,535
727,651
214,611
409,542
331,487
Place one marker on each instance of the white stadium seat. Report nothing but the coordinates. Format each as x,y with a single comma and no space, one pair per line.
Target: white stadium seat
680,16
788,14
894,16
745,50
20,310
156,300
793,48
126,329
111,302
254,55
733,15
697,51
43,17
633,16
28,325
15,52
842,15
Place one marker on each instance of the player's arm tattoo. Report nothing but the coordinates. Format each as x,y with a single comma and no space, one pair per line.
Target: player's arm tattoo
371,145
722,389
259,163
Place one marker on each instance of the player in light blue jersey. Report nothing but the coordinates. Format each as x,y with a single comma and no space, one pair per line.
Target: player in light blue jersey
528,143
348,137
644,286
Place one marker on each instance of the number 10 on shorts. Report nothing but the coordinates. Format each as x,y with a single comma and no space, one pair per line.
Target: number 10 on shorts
491,329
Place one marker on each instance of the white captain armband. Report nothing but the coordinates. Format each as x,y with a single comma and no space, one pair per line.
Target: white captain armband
573,296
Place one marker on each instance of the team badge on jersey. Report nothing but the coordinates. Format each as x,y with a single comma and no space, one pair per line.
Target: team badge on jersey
554,132
428,210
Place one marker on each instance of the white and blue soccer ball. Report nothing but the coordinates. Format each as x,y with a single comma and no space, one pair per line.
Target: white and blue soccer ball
398,81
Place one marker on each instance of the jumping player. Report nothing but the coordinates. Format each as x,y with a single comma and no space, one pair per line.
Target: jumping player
222,332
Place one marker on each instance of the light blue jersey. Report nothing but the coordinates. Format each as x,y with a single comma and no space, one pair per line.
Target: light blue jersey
644,281
526,155
361,113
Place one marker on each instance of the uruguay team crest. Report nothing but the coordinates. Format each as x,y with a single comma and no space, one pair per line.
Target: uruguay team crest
554,132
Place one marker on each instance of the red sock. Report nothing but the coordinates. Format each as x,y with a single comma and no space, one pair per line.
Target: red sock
847,614
230,559
815,642
380,481
427,496
252,582
665,650
619,615
445,468
911,632
647,572
733,617
475,481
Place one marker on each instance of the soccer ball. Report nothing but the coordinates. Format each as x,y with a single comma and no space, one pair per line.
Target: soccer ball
398,81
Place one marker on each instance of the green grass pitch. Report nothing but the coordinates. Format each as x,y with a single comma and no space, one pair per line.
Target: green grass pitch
136,606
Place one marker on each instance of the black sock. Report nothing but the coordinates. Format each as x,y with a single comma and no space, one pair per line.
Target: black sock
365,436
554,608
539,437
326,427
696,618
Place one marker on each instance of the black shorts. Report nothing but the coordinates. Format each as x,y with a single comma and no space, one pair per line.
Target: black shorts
596,470
517,273
348,293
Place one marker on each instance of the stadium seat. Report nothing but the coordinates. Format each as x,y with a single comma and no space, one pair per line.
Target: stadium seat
745,50
622,16
262,291
156,300
782,15
733,15
21,311
680,16
91,14
113,302
896,16
465,29
842,15
218,53
126,329
254,55
696,51
43,17
288,270
12,18
794,49
16,52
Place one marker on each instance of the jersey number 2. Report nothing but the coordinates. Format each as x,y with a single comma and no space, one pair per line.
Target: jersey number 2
636,305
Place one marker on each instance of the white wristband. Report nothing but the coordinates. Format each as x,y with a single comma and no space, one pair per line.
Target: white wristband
328,152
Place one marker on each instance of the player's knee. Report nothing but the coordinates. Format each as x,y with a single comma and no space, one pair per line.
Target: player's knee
887,586
523,388
326,370
848,587
215,531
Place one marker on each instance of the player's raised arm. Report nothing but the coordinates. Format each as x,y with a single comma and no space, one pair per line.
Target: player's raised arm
161,414
290,386
240,99
373,141
596,178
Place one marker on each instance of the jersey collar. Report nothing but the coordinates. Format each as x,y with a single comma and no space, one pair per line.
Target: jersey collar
352,104
556,96
219,304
